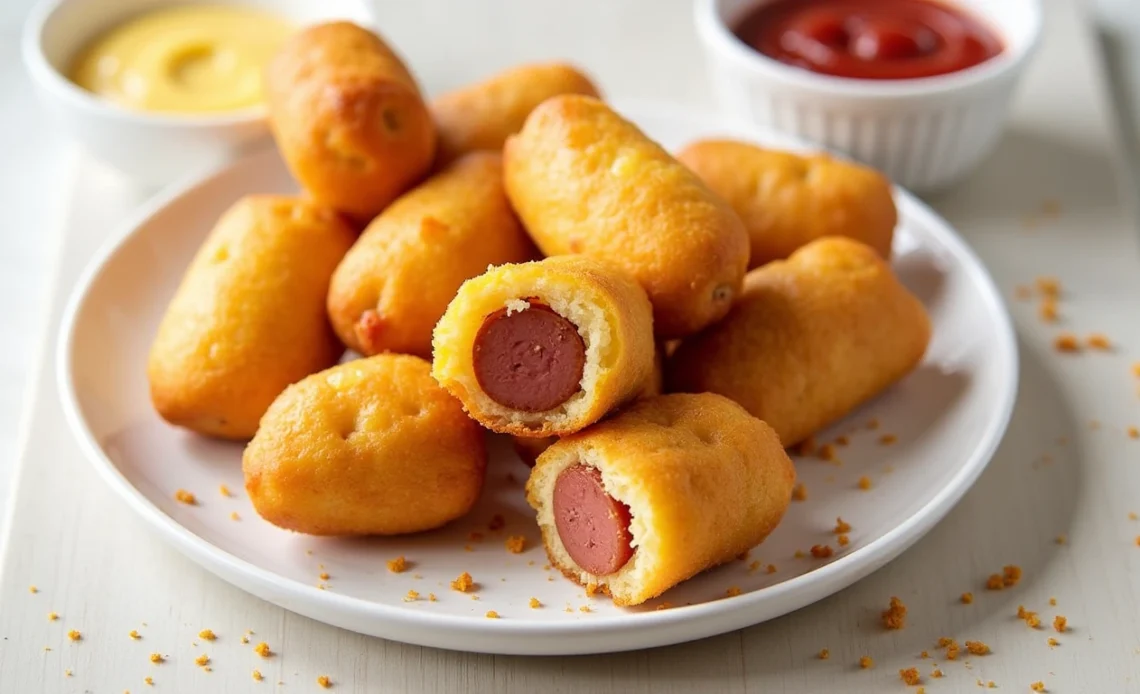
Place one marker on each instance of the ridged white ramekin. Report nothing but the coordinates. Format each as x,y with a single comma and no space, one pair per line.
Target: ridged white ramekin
925,134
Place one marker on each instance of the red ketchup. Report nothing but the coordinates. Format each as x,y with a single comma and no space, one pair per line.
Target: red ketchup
870,39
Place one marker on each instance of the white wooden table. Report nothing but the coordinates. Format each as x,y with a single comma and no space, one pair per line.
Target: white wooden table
105,575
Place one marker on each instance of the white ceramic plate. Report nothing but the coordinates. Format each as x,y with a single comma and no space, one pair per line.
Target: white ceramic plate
948,417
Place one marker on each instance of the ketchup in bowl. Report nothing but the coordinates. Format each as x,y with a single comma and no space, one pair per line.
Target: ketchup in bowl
870,39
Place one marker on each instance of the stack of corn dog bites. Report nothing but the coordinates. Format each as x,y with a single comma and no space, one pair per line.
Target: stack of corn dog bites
652,330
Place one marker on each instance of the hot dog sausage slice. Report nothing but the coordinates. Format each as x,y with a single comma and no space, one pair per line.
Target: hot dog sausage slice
593,526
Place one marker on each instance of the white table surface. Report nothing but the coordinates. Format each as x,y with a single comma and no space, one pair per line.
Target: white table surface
106,576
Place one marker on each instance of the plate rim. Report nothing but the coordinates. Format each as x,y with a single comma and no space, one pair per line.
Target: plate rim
608,633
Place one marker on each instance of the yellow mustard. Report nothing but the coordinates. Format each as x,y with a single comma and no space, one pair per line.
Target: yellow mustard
186,59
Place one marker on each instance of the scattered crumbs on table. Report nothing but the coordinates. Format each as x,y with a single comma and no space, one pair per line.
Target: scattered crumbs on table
224,490
864,482
1138,540
202,660
245,639
910,676
324,681
397,565
463,583
1053,643
664,606
754,566
585,608
535,603
732,591
1060,624
47,648
924,655
1047,311
827,453
497,522
977,648
411,596
53,616
157,658
1061,539
888,440
74,635
1098,341
1048,286
821,551
1132,516
842,441
67,673
516,544
207,634
866,662
149,680
1067,343
234,516
33,589
257,676
135,636
991,685
770,569
873,424
936,673
1133,432
967,598
1037,686
841,526
843,540
1052,602
262,649
894,617
995,582
824,654
1010,575
431,597
799,554
185,497
799,492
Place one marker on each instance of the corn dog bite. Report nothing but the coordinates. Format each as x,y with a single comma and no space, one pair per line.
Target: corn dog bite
788,200
397,280
481,116
811,338
586,181
368,447
545,348
348,118
667,488
248,318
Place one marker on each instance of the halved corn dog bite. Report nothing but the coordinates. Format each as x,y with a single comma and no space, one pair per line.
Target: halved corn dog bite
666,489
545,348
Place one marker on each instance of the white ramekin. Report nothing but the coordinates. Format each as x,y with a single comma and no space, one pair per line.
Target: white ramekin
151,148
924,133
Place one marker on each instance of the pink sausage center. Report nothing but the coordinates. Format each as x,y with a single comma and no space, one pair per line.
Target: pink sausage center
593,526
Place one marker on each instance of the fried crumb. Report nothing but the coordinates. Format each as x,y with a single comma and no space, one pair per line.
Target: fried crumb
841,526
873,424
894,617
53,616
754,566
491,614
74,635
821,551
1066,342
134,635
1011,575
824,654
1037,686
843,540
431,597
207,634
910,676
936,673
864,482
1053,602
33,590
463,583
995,582
185,497
664,606
806,447
924,655
799,554
535,603
1060,624
770,569
1053,643
224,490
799,492
1048,286
1098,341
1060,539
516,544
920,690
977,648
398,565
732,591
888,439
584,608
149,680
157,658
967,598
324,681
234,516
842,441
866,662
411,596
468,548
257,676
244,639
262,649
827,452
1047,311
1133,432
497,522
991,685
67,673
202,660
